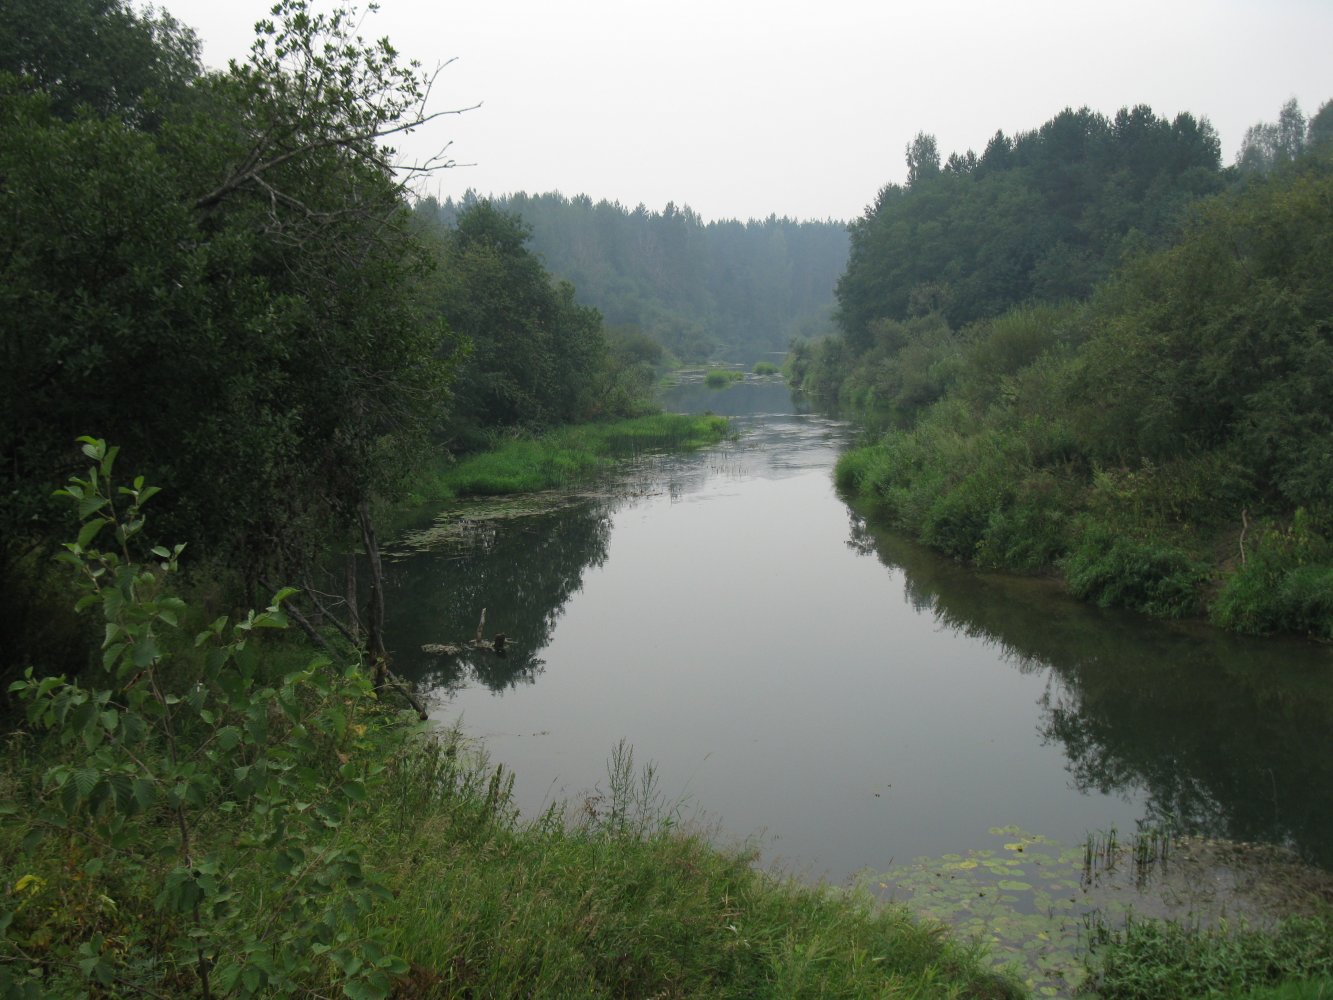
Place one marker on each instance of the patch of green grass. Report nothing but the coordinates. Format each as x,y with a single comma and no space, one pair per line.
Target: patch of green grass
1152,960
569,455
720,377
613,899
1303,989
765,368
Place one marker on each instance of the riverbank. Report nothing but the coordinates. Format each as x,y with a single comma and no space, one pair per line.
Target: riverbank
565,456
346,850
1115,538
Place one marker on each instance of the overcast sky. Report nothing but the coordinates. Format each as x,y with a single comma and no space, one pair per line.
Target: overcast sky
746,108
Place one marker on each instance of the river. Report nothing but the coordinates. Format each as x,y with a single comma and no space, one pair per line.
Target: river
831,693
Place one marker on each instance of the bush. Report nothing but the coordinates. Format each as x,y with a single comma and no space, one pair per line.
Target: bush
1115,570
1285,584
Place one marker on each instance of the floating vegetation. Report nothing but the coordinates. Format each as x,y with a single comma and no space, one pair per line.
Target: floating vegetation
471,523
1041,908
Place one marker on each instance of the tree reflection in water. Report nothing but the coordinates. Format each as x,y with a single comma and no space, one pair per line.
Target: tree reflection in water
520,561
1229,736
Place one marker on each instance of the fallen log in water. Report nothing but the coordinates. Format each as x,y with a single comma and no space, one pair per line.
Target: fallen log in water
498,645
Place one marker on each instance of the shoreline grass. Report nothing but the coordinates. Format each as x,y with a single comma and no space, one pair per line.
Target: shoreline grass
720,377
614,899
567,456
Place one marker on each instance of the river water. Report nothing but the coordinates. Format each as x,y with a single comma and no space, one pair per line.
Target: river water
835,695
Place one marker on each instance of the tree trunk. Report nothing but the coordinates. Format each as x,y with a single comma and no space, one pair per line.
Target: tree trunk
379,656
353,600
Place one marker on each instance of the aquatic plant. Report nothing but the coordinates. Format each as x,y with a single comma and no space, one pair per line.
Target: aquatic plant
720,377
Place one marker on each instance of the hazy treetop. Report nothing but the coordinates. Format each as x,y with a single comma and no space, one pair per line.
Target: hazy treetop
745,108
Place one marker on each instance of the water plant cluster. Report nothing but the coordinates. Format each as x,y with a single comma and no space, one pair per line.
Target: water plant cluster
720,378
1149,916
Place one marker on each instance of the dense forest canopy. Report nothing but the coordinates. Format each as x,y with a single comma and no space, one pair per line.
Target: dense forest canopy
726,289
1101,353
1044,214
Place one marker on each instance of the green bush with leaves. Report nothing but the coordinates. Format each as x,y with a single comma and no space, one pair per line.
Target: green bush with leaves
1284,585
1115,570
201,809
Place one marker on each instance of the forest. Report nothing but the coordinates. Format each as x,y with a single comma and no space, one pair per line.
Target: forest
1094,352
727,290
233,343
230,347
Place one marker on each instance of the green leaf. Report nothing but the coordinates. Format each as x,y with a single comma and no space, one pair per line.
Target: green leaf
90,506
145,793
89,531
146,651
111,654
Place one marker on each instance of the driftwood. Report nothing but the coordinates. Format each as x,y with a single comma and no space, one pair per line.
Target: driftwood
499,645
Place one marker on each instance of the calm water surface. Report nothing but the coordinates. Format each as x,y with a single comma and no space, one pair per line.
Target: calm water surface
842,696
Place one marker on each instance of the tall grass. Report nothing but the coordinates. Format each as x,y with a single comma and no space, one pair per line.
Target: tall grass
613,898
1155,960
567,456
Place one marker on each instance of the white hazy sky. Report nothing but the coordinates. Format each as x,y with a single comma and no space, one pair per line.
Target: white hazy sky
745,108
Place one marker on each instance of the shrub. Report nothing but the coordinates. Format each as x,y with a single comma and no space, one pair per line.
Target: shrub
1284,585
1116,570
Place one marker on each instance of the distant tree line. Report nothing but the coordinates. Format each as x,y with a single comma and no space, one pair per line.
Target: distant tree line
725,289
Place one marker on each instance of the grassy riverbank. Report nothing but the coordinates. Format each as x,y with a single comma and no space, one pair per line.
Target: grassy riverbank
567,456
400,868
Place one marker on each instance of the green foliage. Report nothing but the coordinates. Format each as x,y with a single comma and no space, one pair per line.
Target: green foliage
1040,216
1284,585
615,899
1122,439
208,263
536,355
1156,960
1118,571
719,378
98,56
569,455
144,758
765,368
700,290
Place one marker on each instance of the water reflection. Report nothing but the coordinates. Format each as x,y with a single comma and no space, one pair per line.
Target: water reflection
1228,736
520,563
855,696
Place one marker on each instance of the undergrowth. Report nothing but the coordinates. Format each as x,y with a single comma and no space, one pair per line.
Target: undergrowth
1157,960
